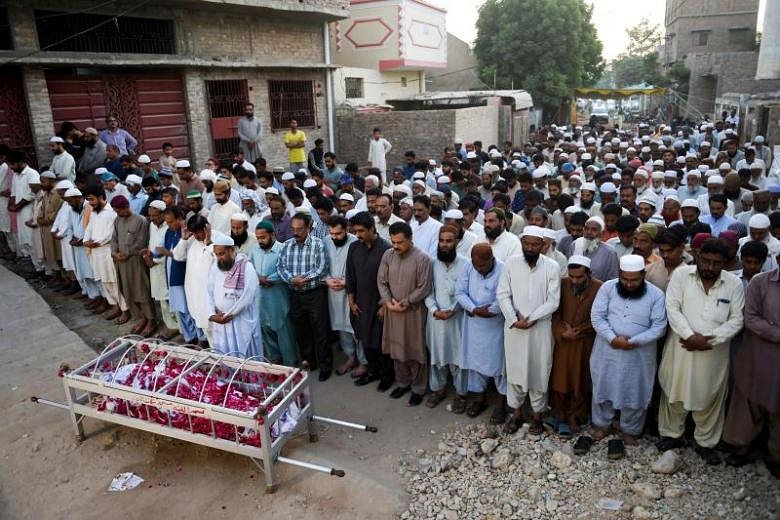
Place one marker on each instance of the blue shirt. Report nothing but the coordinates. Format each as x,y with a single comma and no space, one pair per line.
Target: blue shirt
717,225
138,202
308,259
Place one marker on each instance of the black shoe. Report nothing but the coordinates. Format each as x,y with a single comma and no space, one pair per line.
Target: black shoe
669,443
384,385
615,449
738,460
415,399
366,379
708,455
324,375
583,444
399,392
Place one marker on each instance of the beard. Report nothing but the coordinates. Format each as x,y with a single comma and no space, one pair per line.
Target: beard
632,294
706,274
590,245
227,264
580,288
240,238
340,242
586,205
530,257
446,256
436,212
493,233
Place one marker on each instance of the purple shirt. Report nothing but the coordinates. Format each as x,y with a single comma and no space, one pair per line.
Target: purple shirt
121,138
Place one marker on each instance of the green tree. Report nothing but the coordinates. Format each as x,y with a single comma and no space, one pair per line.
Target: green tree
639,64
547,47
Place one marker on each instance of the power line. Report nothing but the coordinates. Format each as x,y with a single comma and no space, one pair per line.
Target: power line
113,19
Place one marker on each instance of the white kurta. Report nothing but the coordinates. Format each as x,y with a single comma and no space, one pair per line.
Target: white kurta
465,244
64,166
535,294
101,229
478,229
242,333
444,336
772,244
505,245
219,216
696,378
338,306
60,227
383,230
5,184
20,189
81,255
199,258
377,150
157,275
426,235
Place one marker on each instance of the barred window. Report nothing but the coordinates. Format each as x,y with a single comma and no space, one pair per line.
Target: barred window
6,39
102,33
292,99
354,87
739,36
700,38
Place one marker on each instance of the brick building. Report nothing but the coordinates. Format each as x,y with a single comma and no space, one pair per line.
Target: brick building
173,70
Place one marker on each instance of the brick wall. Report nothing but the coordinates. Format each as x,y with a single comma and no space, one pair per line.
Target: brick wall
478,124
41,119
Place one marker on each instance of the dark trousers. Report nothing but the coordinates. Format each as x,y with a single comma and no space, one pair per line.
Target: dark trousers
380,364
309,314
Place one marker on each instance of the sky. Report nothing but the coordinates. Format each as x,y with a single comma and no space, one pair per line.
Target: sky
611,18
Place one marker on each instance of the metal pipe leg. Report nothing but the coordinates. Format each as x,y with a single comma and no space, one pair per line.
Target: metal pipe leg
75,418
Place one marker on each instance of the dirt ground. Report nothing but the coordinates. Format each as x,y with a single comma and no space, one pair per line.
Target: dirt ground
46,474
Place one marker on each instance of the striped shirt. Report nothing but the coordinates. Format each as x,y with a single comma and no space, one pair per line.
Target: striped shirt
309,260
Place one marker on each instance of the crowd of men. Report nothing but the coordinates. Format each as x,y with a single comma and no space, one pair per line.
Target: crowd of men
621,277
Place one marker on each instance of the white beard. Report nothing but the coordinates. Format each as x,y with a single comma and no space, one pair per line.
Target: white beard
586,247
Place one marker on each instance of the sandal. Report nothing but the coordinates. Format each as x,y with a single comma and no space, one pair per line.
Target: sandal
583,444
476,407
615,449
708,455
434,399
122,319
537,426
514,424
563,430
458,405
499,415
738,460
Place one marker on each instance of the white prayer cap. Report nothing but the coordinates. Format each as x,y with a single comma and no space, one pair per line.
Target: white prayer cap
608,187
703,168
597,220
657,220
454,214
303,210
207,175
611,165
418,175
624,144
33,178
724,167
133,179
372,178
533,231
302,170
705,143
691,154
48,174
648,198
680,159
347,197
90,130
661,147
63,185
657,175
158,205
615,140
591,140
579,260
494,154
690,203
351,213
670,174
471,155
631,149
641,172
757,164
586,156
572,210
759,221
221,239
271,191
239,217
182,163
100,171
143,159
646,149
590,186
715,179
288,176
658,162
540,173
403,188
458,140
608,156
56,139
516,154
73,192
444,179
309,183
516,162
408,201
616,177
576,178
632,263
548,233
759,139
431,162
673,197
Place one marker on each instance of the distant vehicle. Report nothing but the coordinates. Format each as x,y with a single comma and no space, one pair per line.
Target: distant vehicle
599,118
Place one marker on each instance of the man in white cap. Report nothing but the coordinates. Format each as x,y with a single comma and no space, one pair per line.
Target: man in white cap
762,200
20,203
528,342
94,152
588,202
72,232
345,203
59,226
138,197
646,205
50,203
239,233
705,306
443,328
188,181
425,229
231,304
36,250
759,230
63,165
7,241
550,251
466,239
763,151
574,335
158,282
603,258
715,185
692,189
223,209
628,316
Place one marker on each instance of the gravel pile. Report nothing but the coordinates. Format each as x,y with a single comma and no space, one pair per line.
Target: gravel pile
478,473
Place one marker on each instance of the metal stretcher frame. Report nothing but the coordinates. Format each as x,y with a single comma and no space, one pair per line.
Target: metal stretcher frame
87,384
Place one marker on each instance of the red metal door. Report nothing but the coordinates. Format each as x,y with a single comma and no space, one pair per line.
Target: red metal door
227,99
149,106
14,117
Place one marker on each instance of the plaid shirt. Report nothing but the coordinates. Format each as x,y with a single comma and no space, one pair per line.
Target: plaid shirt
309,260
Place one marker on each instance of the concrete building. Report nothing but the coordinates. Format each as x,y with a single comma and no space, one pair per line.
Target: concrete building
461,72
172,70
716,39
384,48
